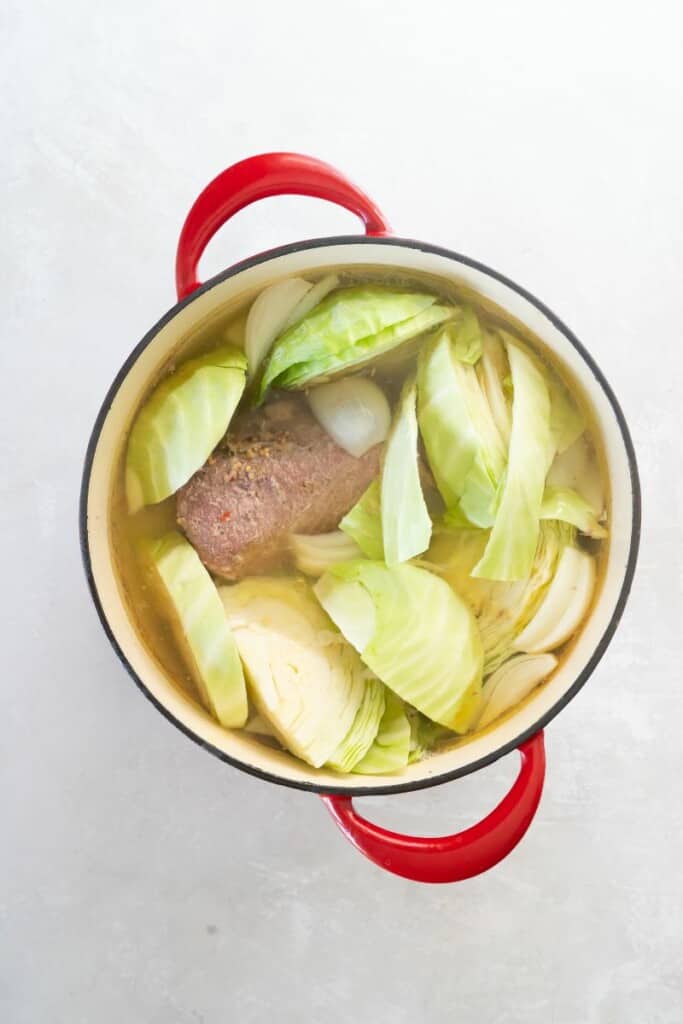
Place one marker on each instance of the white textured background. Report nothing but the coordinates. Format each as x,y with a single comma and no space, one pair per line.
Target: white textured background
140,879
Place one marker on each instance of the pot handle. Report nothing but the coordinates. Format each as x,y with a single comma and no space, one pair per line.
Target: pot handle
257,177
463,855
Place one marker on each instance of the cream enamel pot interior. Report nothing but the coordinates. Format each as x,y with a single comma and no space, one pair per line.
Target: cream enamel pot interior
450,858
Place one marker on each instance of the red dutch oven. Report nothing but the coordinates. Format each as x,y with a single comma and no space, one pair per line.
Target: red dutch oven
449,858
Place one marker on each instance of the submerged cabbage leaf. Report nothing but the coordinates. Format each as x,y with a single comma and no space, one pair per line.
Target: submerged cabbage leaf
512,682
467,337
564,606
363,523
494,370
350,327
449,437
303,679
565,504
193,608
566,419
406,526
181,423
362,733
478,502
413,632
502,610
511,547
425,735
391,747
258,726
464,448
578,468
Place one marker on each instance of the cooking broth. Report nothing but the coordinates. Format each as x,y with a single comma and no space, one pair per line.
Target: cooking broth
389,371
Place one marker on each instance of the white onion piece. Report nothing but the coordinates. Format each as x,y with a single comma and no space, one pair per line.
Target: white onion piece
268,316
311,299
314,554
354,412
577,468
512,682
564,605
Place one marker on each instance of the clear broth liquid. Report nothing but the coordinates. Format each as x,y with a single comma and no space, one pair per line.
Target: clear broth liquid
228,326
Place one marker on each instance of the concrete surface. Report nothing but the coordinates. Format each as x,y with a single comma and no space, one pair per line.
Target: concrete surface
141,880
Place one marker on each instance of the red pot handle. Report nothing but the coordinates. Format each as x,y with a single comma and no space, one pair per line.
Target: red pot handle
451,858
257,177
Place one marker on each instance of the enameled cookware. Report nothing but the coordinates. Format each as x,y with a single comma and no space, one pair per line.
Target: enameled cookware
445,859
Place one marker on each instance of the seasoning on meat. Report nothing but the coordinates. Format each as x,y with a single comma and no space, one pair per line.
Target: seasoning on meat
278,474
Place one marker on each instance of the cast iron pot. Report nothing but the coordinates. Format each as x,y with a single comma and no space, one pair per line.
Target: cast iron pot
450,858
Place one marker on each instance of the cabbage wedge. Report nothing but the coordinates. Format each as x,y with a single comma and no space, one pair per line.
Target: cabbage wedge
350,327
577,468
566,419
565,604
426,735
181,423
468,339
363,732
464,448
192,606
449,437
391,748
302,677
512,682
511,546
413,632
494,371
313,553
502,610
406,525
363,523
565,504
